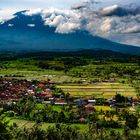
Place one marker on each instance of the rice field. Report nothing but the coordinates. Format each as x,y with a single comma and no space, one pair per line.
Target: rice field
21,123
102,89
104,108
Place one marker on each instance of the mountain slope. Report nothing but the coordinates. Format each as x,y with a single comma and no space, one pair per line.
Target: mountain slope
25,32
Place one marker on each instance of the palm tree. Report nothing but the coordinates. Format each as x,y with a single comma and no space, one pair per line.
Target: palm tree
4,131
138,95
112,113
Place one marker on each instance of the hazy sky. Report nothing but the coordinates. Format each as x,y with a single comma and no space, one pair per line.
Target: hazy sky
23,4
10,6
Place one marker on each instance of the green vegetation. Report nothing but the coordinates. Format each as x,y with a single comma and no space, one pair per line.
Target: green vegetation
28,109
21,129
75,77
76,69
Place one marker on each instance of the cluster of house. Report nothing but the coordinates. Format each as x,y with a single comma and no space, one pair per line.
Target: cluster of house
11,90
14,89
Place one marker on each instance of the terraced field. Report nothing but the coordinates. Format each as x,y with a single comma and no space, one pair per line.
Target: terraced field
99,89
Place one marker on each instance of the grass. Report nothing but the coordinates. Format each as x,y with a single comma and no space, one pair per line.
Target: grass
44,126
57,108
40,106
29,124
21,123
38,74
81,127
96,86
1,109
104,108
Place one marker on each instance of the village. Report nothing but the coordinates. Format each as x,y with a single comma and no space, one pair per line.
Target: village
12,90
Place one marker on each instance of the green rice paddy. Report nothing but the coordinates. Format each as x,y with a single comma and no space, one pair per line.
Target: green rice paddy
99,89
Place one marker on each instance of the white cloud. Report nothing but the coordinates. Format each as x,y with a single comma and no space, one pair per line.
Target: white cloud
10,25
7,13
67,27
54,20
33,12
107,25
65,21
134,29
109,10
1,20
31,25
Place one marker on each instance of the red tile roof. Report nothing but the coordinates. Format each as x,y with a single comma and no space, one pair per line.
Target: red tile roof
41,85
82,119
89,105
45,93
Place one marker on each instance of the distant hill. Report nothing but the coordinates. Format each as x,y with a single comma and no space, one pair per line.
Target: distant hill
15,35
97,54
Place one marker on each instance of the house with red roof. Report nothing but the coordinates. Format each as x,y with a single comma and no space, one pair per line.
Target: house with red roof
89,106
41,85
45,93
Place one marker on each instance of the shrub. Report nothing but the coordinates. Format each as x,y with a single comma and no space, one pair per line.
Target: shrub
9,113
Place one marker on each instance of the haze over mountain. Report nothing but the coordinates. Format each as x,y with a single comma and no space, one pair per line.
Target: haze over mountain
78,28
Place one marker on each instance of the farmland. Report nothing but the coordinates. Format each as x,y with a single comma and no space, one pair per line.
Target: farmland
79,94
80,76
105,90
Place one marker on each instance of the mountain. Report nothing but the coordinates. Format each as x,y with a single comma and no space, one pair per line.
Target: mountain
28,32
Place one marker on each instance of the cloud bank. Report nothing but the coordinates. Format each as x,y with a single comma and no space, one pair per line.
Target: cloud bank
116,22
